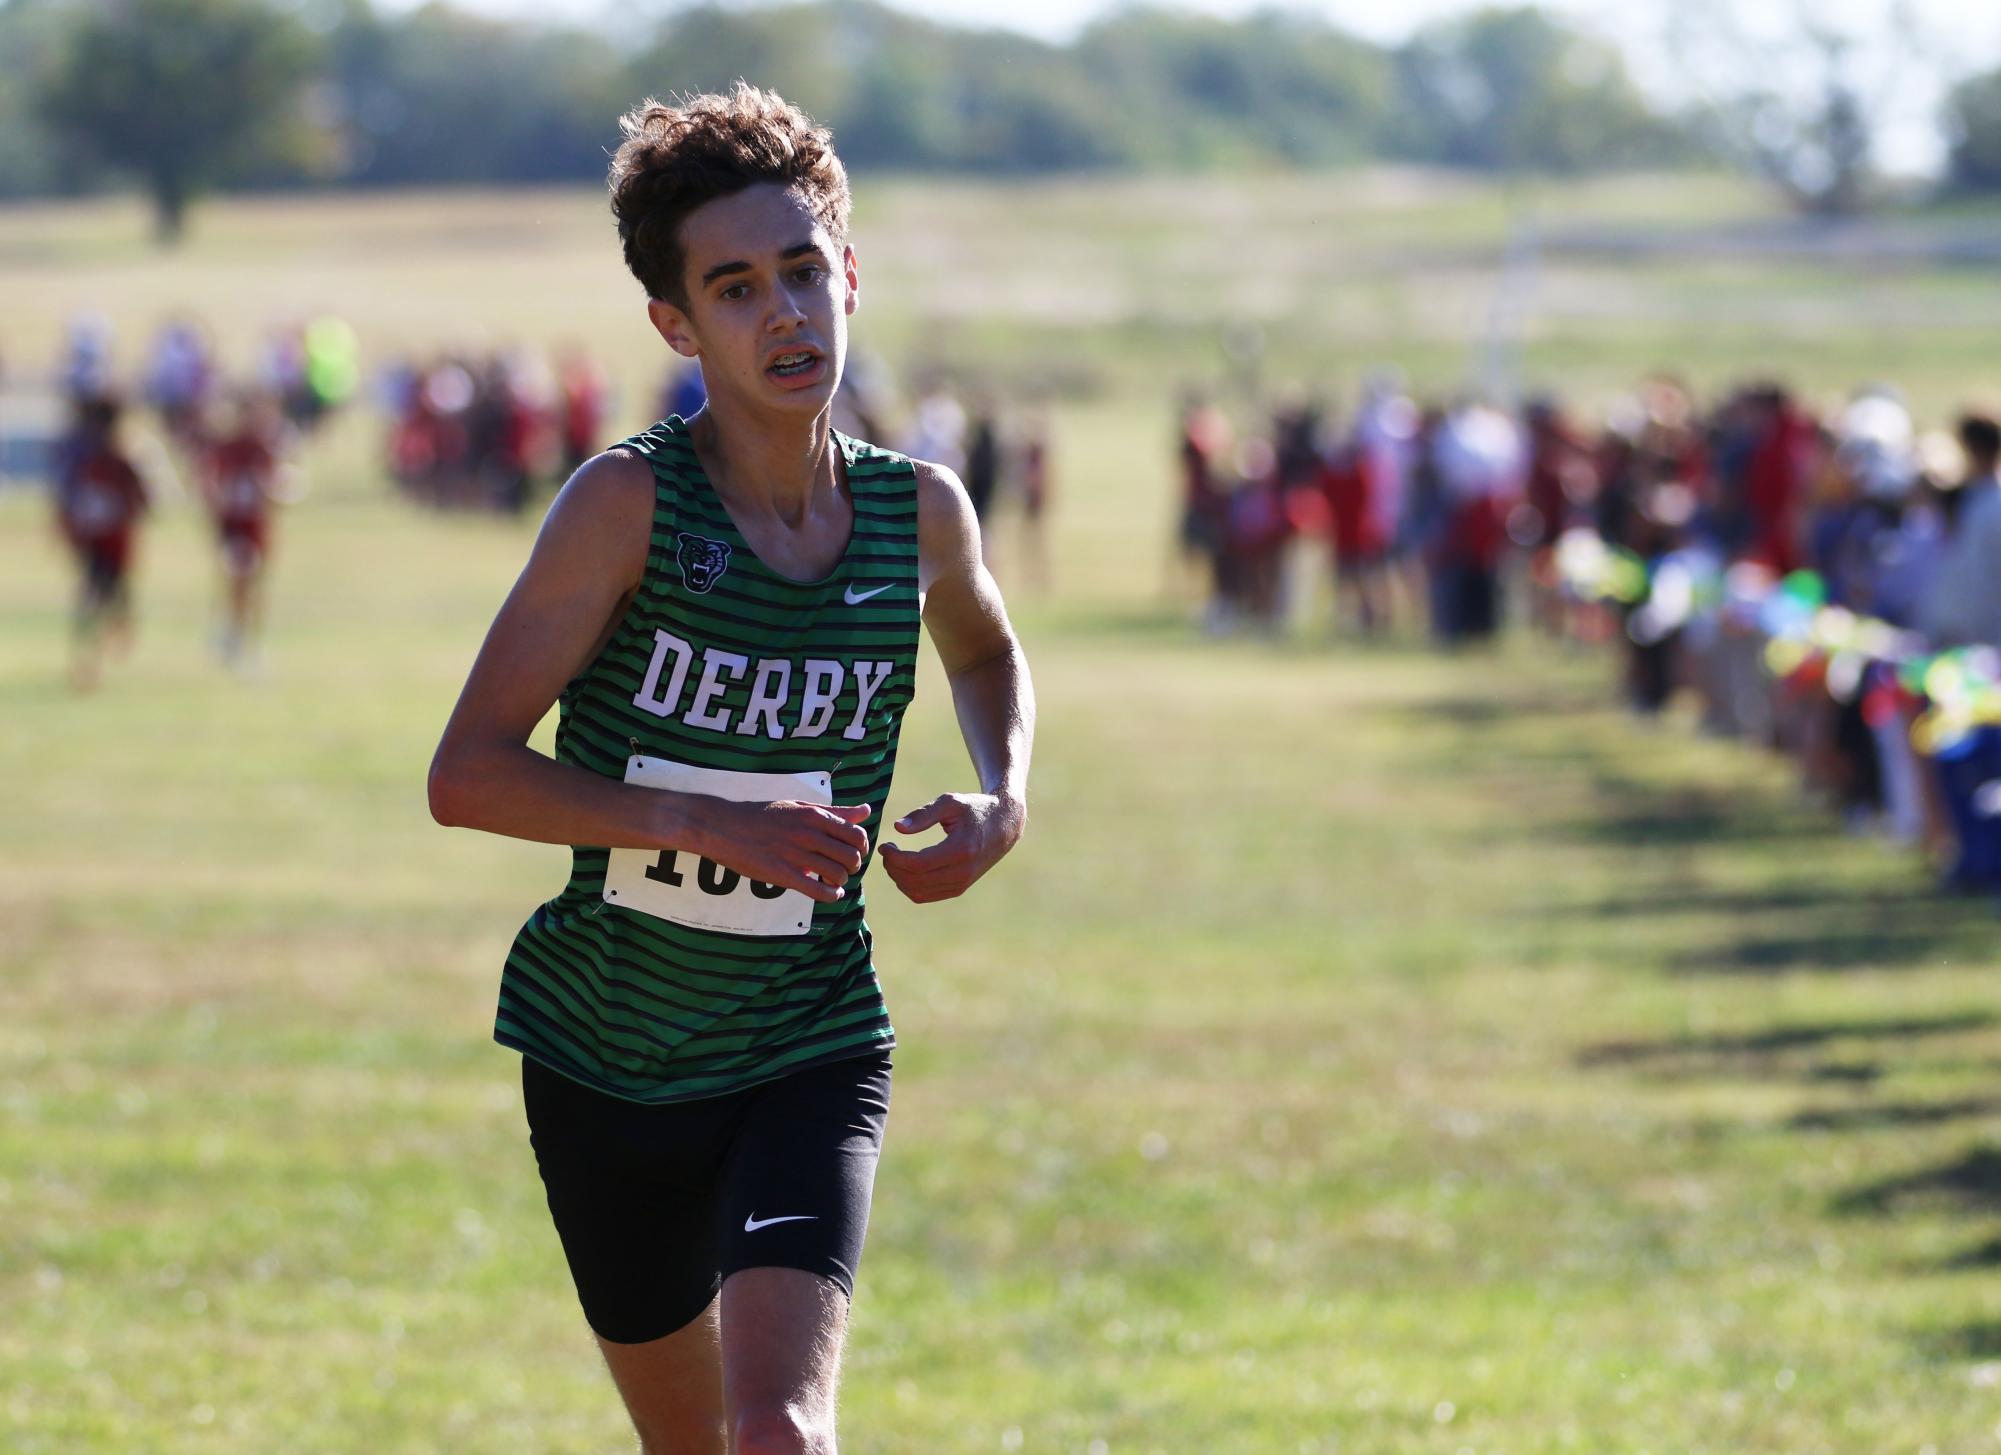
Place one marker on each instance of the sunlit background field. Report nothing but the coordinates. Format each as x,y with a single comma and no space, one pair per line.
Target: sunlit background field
1368,1050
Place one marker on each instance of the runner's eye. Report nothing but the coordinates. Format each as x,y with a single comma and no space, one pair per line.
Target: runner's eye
735,291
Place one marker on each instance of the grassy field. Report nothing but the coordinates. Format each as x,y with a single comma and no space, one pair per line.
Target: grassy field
1367,1051
1106,287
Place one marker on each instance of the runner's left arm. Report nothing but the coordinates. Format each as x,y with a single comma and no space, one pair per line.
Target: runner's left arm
991,693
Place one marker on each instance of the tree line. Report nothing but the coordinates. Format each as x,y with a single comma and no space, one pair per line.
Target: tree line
185,95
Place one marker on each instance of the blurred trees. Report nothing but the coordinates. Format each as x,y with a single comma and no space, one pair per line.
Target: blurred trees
1973,128
177,92
440,95
437,94
32,160
1181,88
188,93
1517,89
1799,100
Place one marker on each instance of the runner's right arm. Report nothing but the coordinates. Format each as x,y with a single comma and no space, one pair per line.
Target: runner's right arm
587,564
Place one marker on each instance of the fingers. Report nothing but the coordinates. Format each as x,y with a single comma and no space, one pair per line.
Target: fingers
843,825
943,809
833,868
947,853
930,888
937,871
942,871
817,890
829,850
819,847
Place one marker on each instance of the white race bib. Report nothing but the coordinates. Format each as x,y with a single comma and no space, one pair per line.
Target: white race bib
674,884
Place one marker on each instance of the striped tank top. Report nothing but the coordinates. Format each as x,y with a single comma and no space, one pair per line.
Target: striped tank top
660,976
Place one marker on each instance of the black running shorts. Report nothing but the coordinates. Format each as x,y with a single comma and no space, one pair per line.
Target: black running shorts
657,1205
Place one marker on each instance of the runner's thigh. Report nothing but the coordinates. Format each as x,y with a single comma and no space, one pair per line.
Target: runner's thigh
782,1331
673,1388
800,1171
633,1192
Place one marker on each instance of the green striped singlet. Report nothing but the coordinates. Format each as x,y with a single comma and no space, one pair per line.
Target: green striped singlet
719,663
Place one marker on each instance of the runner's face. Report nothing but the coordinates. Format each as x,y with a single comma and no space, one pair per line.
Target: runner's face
769,294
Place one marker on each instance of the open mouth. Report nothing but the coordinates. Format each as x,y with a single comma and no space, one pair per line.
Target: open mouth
796,362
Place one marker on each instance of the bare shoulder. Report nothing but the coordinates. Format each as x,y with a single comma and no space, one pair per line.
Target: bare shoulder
603,514
617,481
944,509
948,532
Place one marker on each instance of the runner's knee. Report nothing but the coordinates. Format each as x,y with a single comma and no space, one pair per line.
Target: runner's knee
780,1430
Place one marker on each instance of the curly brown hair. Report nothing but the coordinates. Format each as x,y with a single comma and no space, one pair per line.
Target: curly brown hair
675,158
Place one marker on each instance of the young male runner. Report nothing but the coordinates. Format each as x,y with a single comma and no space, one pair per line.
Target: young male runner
726,608
100,498
240,468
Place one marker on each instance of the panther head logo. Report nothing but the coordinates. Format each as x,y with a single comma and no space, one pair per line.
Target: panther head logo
702,561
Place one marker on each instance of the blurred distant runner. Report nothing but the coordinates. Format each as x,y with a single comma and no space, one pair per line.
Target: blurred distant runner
1035,492
240,483
99,500
726,608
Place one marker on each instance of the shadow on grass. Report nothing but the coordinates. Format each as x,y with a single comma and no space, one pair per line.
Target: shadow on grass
1683,818
1714,899
1503,707
1839,946
1894,922
1725,1048
1969,1183
1521,754
1468,712
1981,1257
1893,1114
1979,1340
1847,1073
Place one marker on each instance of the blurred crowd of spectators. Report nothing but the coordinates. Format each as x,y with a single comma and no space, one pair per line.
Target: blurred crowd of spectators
501,430
1824,581
1827,583
490,431
1412,505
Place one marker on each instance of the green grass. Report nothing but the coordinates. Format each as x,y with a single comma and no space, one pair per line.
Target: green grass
1114,287
1366,1051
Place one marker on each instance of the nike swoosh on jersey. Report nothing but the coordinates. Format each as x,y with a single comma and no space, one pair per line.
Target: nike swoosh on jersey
856,598
752,1223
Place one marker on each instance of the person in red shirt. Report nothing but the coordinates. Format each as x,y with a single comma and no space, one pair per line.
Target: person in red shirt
99,500
585,401
1351,477
240,482
1780,466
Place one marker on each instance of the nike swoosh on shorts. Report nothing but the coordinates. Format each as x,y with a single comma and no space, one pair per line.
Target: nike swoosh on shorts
752,1223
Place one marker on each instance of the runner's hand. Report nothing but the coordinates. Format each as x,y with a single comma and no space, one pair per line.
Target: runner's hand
979,829
794,845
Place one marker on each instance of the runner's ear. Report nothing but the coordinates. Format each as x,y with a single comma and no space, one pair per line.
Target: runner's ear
674,326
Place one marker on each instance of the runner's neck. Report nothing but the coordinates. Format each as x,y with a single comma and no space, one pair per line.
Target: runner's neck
778,468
